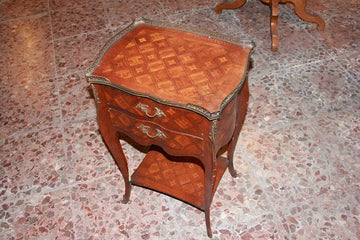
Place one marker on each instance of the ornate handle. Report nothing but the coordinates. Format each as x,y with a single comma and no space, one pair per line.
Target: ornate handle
144,107
145,130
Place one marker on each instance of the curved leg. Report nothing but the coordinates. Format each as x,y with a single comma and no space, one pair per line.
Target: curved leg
299,6
240,117
274,5
210,174
112,140
236,4
208,224
113,143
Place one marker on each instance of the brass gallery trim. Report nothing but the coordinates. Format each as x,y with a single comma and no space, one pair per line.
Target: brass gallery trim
189,106
93,79
97,99
211,36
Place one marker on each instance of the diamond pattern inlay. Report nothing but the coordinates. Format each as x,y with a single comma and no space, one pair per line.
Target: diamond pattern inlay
174,65
183,176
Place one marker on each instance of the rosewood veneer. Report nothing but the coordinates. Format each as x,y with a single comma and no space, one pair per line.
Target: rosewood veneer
180,90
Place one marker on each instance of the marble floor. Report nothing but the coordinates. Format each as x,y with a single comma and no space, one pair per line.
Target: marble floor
298,155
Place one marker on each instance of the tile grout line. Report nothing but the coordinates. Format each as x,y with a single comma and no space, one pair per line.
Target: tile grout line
61,124
33,16
108,26
275,127
317,130
18,134
52,37
334,56
82,34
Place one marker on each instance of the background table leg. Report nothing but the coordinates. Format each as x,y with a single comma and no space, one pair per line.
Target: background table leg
299,6
274,6
236,4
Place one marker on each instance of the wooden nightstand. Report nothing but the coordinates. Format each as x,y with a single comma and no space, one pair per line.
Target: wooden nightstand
182,91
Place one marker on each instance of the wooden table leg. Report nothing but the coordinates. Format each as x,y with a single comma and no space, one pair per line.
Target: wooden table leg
236,4
111,139
243,99
274,6
299,6
209,159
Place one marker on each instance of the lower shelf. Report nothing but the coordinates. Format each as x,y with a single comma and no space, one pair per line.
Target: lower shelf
179,177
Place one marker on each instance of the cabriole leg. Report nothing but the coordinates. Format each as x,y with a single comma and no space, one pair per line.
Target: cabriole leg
243,98
111,139
236,4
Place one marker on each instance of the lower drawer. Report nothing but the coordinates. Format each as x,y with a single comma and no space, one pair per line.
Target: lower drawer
149,133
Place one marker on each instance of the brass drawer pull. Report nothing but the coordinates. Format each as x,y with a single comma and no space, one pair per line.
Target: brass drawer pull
144,107
145,130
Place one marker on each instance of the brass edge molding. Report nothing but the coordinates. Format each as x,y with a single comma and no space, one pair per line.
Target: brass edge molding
237,88
199,31
212,135
189,106
93,79
97,99
106,47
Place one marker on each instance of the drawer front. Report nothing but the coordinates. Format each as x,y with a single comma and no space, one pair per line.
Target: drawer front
147,133
170,117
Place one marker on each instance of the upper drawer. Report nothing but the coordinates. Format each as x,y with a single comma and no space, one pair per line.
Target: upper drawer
171,117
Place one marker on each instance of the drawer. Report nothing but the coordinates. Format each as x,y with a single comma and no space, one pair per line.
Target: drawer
148,133
170,117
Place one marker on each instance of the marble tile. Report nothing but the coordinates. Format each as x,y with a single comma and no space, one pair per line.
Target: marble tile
19,67
85,47
280,97
26,51
76,98
253,17
341,35
11,9
305,167
86,152
38,216
33,163
30,107
123,13
289,17
296,46
340,130
322,86
57,4
311,219
341,29
352,65
273,103
293,200
99,213
25,33
171,7
73,20
328,9
208,19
